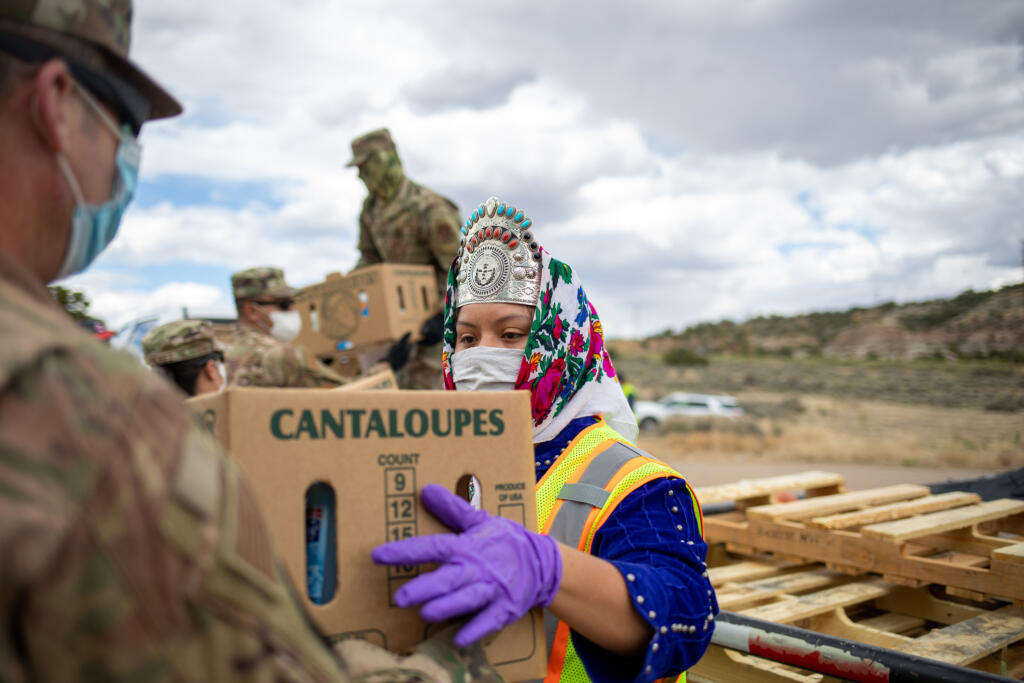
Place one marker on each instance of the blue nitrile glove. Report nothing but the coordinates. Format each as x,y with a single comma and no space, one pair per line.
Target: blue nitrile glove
493,566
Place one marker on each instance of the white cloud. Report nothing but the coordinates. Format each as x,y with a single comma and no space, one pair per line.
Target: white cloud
232,239
693,162
118,303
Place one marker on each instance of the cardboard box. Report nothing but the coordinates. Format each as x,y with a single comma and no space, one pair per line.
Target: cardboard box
368,306
377,449
344,363
378,381
357,361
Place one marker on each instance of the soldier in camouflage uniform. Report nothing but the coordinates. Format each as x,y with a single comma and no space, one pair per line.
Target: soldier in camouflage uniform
257,356
130,546
403,222
187,353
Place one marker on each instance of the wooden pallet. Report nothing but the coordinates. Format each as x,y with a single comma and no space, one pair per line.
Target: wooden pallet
988,636
749,492
901,532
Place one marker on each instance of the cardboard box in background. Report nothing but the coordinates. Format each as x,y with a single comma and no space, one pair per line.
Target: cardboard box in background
368,306
344,363
376,450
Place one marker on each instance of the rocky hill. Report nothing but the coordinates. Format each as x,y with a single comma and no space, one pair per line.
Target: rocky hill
973,324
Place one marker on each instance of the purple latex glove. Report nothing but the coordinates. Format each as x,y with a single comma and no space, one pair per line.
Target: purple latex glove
492,566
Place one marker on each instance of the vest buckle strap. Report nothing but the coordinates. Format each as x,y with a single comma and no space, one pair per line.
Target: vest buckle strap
585,493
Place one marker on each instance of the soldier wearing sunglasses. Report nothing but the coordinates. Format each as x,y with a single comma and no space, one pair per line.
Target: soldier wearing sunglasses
259,351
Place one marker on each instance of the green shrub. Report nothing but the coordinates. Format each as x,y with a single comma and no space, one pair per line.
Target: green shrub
942,311
1008,356
683,424
683,357
787,407
1008,402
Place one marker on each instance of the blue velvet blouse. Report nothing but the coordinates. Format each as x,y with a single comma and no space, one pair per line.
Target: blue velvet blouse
654,540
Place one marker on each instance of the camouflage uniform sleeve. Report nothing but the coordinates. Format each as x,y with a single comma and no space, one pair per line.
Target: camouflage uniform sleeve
132,548
257,360
444,227
368,252
310,372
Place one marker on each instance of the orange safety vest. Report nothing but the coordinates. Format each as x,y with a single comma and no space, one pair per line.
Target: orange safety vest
595,472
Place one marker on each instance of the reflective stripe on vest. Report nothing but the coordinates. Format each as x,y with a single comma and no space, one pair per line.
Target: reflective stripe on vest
588,481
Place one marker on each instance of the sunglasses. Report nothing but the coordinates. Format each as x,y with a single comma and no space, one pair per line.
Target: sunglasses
283,304
131,106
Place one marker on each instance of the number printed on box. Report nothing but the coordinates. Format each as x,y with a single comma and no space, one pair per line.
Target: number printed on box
400,513
400,481
401,509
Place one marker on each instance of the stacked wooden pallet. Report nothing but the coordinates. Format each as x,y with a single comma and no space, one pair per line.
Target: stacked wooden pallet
937,576
901,532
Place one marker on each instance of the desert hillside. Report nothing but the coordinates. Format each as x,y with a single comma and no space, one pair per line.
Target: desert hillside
926,384
987,324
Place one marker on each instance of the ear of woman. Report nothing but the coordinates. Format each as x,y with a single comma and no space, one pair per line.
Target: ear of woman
210,379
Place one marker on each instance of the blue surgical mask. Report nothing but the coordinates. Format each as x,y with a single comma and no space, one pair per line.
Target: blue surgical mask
94,227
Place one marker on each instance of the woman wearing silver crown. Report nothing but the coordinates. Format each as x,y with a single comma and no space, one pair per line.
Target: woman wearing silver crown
620,563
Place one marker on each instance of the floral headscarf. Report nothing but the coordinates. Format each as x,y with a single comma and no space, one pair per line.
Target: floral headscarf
565,366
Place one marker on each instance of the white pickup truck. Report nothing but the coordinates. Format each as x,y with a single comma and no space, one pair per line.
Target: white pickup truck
649,414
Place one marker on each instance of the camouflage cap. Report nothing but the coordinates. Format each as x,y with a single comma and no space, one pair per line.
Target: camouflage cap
365,145
180,340
95,34
254,282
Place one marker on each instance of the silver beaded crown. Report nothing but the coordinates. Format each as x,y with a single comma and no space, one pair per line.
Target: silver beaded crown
499,258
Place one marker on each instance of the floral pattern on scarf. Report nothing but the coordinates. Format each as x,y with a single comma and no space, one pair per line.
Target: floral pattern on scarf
565,366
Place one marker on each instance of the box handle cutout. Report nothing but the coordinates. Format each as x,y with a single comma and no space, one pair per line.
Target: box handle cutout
469,488
321,543
401,299
423,291
314,318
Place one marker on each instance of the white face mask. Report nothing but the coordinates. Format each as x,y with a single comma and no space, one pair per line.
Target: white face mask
223,377
483,368
286,325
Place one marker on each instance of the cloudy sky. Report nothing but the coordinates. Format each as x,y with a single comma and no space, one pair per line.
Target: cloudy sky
694,161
